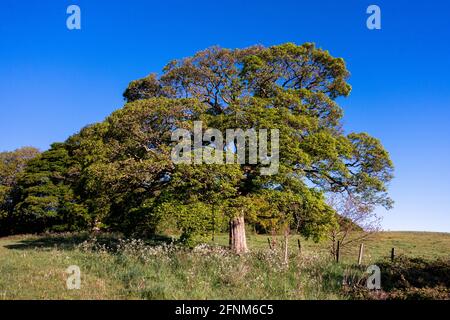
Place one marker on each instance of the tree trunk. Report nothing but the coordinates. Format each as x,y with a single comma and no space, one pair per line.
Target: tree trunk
238,242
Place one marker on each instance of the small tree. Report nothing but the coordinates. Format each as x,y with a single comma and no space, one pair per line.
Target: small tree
46,199
356,220
12,165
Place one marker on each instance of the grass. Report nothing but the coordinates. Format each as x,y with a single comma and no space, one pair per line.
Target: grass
428,245
33,267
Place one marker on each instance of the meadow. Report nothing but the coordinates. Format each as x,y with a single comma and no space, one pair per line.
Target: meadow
34,266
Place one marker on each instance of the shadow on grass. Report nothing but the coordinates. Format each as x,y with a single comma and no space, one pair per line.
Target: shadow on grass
408,278
71,241
407,272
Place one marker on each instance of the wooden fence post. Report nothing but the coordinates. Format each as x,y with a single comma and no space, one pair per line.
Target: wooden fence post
392,254
338,251
361,252
299,246
286,252
270,244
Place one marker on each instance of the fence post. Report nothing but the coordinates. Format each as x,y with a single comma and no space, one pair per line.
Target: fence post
392,254
286,252
270,244
361,251
338,251
299,246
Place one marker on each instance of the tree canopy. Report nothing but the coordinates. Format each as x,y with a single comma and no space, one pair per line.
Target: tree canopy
12,164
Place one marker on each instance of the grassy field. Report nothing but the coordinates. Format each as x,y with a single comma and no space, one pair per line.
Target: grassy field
33,267
429,245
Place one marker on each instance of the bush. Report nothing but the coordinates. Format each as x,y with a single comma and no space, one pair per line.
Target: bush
409,279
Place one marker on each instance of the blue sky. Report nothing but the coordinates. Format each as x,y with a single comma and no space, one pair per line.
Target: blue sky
53,81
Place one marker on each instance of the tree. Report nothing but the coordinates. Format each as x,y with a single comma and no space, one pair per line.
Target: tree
294,89
205,188
119,174
46,198
356,220
145,88
12,165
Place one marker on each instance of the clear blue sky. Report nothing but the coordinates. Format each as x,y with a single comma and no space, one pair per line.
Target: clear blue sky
54,81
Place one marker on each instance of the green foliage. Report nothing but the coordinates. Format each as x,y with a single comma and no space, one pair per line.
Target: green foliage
193,219
408,278
12,164
118,174
405,272
145,88
304,212
45,198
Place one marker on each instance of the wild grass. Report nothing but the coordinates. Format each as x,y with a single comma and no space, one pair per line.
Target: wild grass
33,267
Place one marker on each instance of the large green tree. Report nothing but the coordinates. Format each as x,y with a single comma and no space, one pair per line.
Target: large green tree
119,174
293,89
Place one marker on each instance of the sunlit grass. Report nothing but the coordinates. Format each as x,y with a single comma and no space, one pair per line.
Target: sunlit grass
33,267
